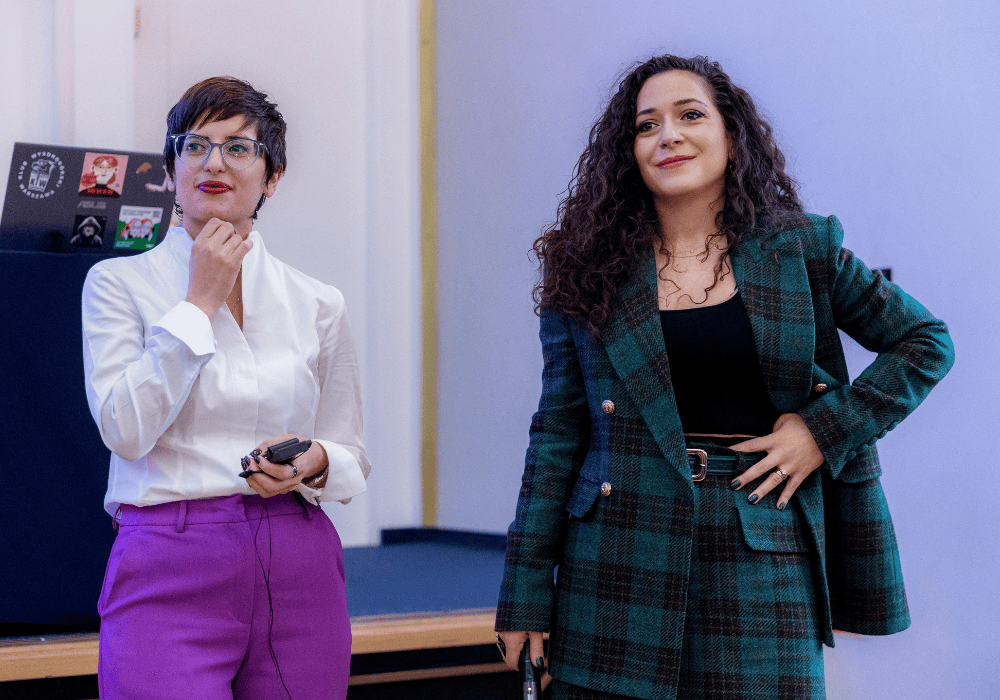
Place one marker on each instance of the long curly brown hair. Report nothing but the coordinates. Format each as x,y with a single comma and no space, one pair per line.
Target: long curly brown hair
607,218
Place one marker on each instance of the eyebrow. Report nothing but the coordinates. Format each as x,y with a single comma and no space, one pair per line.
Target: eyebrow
228,138
678,103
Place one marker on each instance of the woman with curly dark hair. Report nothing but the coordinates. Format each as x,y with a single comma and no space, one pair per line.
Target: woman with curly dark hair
701,471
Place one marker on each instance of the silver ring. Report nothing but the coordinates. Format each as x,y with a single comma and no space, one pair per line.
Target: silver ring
295,471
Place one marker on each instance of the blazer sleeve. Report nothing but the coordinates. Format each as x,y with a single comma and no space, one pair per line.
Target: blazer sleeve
914,353
558,440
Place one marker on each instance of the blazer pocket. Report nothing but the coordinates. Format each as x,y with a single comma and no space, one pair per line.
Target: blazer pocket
767,529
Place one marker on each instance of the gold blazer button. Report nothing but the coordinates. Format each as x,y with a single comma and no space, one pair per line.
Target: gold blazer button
605,489
819,388
609,407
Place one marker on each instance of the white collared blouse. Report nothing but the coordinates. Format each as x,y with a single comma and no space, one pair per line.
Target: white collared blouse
179,399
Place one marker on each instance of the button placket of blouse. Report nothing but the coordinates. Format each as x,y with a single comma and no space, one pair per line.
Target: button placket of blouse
244,372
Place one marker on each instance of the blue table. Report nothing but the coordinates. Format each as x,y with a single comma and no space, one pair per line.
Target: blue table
424,569
422,607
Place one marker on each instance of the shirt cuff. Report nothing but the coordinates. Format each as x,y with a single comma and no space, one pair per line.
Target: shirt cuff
346,479
191,326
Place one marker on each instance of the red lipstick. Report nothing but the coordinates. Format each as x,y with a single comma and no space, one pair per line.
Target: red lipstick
673,161
213,187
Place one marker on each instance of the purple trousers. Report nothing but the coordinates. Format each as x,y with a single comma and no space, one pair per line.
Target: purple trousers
233,597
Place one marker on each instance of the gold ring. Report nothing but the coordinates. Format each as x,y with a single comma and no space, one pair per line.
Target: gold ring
782,473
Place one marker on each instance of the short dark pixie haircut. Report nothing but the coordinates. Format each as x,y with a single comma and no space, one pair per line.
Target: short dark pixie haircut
221,98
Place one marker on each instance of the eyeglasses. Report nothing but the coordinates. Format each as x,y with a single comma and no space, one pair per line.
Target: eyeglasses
237,153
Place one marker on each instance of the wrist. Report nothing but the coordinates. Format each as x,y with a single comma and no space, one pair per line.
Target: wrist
203,307
317,465
316,481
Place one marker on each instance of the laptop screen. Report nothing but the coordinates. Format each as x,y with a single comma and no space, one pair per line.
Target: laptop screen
65,199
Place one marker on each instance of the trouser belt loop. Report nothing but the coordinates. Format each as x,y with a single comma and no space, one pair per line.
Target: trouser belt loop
182,509
116,521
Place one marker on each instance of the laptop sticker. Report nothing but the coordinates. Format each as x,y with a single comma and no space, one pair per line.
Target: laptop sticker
88,231
41,174
138,227
100,177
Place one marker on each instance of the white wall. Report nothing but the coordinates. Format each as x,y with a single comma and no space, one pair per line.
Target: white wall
67,75
97,58
344,75
28,80
888,112
392,263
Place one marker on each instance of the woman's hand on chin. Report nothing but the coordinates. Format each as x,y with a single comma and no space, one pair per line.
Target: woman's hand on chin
792,454
282,478
216,258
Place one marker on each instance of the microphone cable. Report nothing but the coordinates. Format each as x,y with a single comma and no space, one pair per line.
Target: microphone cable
267,584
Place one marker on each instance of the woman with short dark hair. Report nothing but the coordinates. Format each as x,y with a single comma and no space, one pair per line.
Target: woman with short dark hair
226,579
701,470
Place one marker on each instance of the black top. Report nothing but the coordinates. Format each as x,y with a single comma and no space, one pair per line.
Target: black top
715,370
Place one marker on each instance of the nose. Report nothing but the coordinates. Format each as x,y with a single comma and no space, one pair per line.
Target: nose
669,134
214,162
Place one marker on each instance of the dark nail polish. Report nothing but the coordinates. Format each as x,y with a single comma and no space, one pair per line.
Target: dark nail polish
735,485
781,506
753,498
540,663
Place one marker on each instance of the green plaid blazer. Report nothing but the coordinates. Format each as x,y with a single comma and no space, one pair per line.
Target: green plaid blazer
630,551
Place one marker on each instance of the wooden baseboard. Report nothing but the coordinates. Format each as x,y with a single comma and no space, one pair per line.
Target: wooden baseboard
76,655
48,657
427,673
381,633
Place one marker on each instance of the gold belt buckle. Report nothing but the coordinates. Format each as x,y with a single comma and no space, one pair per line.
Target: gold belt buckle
702,464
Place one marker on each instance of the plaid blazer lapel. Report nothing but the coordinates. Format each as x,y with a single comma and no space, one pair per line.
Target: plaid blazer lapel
633,339
773,282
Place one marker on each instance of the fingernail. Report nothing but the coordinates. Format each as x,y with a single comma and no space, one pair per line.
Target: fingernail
781,506
735,485
753,498
540,663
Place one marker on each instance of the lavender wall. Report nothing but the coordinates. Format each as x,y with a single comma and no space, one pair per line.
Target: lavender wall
888,114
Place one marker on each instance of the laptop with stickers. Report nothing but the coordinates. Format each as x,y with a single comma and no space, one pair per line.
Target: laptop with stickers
62,199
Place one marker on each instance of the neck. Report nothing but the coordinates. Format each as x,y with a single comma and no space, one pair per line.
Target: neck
687,222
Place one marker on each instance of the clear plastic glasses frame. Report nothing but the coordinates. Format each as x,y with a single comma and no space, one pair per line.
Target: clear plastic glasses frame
237,153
